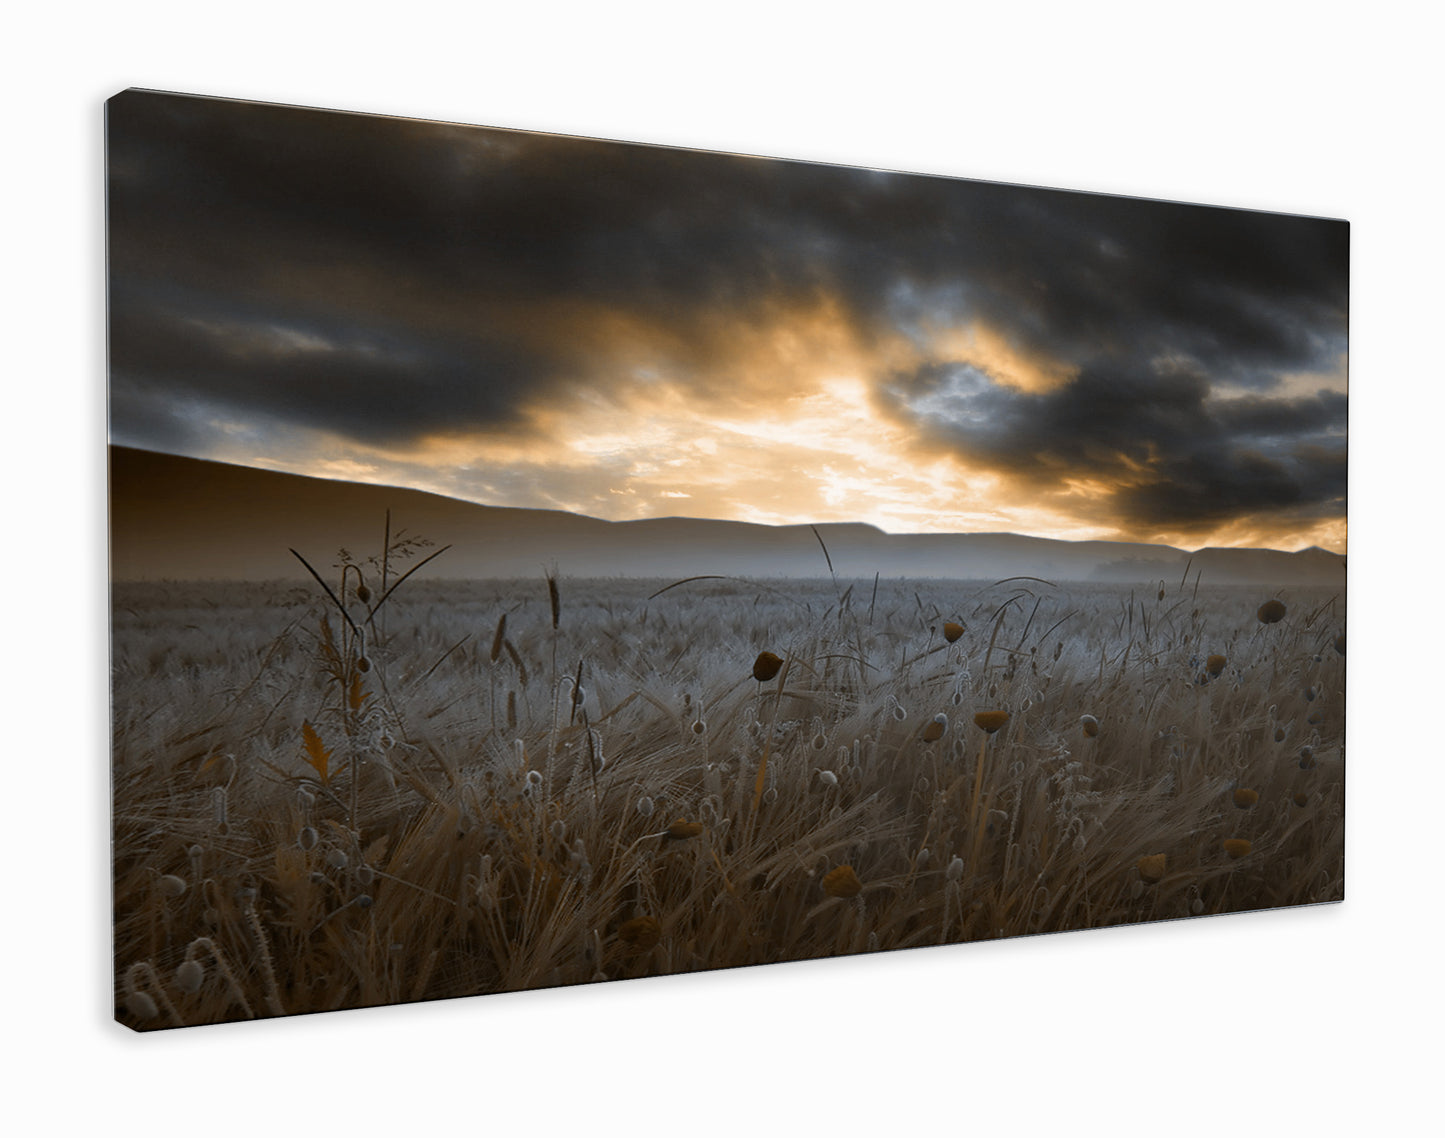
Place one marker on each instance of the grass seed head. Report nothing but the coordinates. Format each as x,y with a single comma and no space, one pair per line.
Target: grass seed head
952,630
1151,868
1237,847
991,721
766,667
842,882
1244,799
1271,612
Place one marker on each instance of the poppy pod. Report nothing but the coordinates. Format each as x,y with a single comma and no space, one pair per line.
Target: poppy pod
1090,725
1271,612
952,630
766,666
640,933
1301,799
934,729
1244,799
1151,868
1237,847
991,721
682,829
842,882
1215,665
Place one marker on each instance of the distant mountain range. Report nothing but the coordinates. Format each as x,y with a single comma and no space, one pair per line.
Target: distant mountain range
184,518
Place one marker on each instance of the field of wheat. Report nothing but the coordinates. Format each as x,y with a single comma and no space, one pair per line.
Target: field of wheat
347,793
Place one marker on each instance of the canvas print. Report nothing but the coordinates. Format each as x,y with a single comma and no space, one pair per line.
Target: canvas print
542,561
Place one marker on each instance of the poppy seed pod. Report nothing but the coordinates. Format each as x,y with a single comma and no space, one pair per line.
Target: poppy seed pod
766,667
1151,868
1215,665
190,976
682,829
1090,725
1244,799
1237,847
640,933
842,882
991,721
934,729
1271,612
952,630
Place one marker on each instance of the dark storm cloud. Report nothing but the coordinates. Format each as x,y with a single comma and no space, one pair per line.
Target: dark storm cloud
1157,453
390,279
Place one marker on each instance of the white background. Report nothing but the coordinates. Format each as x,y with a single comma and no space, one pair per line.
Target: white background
1321,1020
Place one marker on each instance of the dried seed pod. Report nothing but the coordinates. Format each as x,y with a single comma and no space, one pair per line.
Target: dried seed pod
171,886
190,976
1151,868
307,838
1215,665
934,729
1301,799
1237,847
991,721
1090,725
766,667
645,806
682,829
952,630
1244,799
842,882
640,933
1340,644
1271,612
363,664
954,872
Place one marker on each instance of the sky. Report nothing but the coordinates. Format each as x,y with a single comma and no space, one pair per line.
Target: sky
628,331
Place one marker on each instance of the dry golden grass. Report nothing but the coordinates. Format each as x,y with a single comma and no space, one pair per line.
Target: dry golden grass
515,794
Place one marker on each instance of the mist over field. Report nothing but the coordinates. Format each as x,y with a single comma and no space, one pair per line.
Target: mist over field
181,518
